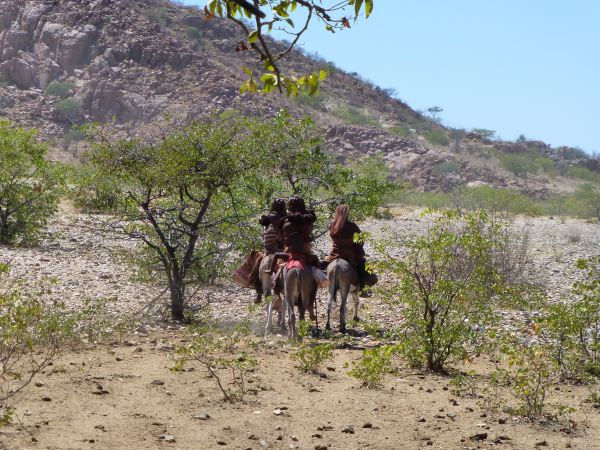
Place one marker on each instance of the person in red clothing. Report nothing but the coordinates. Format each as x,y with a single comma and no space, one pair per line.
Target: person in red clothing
272,239
297,230
342,233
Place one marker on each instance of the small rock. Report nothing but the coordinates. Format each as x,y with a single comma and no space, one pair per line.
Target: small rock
39,384
367,425
294,438
320,447
167,438
348,429
278,412
46,399
501,421
263,443
541,444
201,416
157,383
221,442
479,437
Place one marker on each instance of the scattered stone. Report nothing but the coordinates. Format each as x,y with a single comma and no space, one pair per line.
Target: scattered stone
46,399
201,416
501,421
367,425
39,384
157,383
541,443
278,412
349,429
221,442
320,447
167,438
479,437
263,443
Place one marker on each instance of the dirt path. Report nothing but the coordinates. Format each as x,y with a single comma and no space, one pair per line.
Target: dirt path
124,396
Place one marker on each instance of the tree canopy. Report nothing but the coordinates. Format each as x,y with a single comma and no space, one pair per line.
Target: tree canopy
193,196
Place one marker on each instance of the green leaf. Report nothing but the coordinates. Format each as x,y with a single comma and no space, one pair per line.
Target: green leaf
253,37
357,6
368,8
323,74
290,21
247,71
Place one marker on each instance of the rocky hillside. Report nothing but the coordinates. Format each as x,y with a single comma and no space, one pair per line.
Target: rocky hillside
135,62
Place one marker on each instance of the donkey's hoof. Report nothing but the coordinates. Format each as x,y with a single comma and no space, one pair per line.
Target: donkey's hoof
343,330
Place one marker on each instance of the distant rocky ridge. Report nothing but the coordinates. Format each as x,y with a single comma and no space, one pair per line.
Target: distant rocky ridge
135,61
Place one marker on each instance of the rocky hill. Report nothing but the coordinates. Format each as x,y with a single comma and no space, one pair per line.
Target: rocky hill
135,62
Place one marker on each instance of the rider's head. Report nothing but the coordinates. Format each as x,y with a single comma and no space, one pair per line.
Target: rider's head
340,218
296,205
278,206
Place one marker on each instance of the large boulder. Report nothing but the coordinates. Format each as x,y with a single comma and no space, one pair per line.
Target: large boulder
105,101
22,73
72,47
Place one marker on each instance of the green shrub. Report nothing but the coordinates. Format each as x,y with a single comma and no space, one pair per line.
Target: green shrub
450,284
518,164
58,89
399,130
583,173
311,357
437,137
221,355
30,186
69,109
315,101
530,372
193,33
353,116
373,365
445,167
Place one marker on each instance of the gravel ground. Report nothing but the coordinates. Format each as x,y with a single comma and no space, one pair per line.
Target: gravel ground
88,264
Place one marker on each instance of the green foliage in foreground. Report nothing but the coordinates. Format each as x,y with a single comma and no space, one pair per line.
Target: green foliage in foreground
31,336
193,196
311,357
373,365
227,357
30,186
450,284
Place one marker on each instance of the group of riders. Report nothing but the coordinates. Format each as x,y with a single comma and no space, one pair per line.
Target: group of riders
288,235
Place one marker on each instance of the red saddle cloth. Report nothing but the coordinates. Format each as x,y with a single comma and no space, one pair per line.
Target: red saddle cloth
297,260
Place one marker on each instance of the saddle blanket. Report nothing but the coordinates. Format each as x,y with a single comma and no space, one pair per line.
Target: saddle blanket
297,260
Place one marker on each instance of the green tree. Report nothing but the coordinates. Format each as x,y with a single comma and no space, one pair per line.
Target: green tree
267,14
30,186
193,197
69,109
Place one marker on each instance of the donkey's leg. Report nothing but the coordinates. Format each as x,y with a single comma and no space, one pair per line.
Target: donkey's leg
343,306
356,305
269,328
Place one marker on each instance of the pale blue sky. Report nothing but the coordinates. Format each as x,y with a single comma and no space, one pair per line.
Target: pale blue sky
527,67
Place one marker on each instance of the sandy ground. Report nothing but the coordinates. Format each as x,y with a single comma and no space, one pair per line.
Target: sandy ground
144,405
145,401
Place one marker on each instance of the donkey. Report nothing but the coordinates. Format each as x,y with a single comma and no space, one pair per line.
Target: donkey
298,287
267,290
343,278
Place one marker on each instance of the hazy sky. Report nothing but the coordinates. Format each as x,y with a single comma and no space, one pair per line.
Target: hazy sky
527,67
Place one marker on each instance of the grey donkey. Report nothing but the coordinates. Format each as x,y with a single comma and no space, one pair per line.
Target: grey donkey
267,290
298,286
343,278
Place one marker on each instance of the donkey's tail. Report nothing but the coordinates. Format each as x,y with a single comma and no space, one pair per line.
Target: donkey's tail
333,281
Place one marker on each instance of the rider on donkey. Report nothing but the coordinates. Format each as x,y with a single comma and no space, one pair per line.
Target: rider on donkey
297,234
342,233
272,239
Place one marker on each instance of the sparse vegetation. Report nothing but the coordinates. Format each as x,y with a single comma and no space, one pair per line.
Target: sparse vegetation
437,137
220,354
519,165
69,109
193,33
31,335
373,365
353,116
60,89
454,277
311,357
